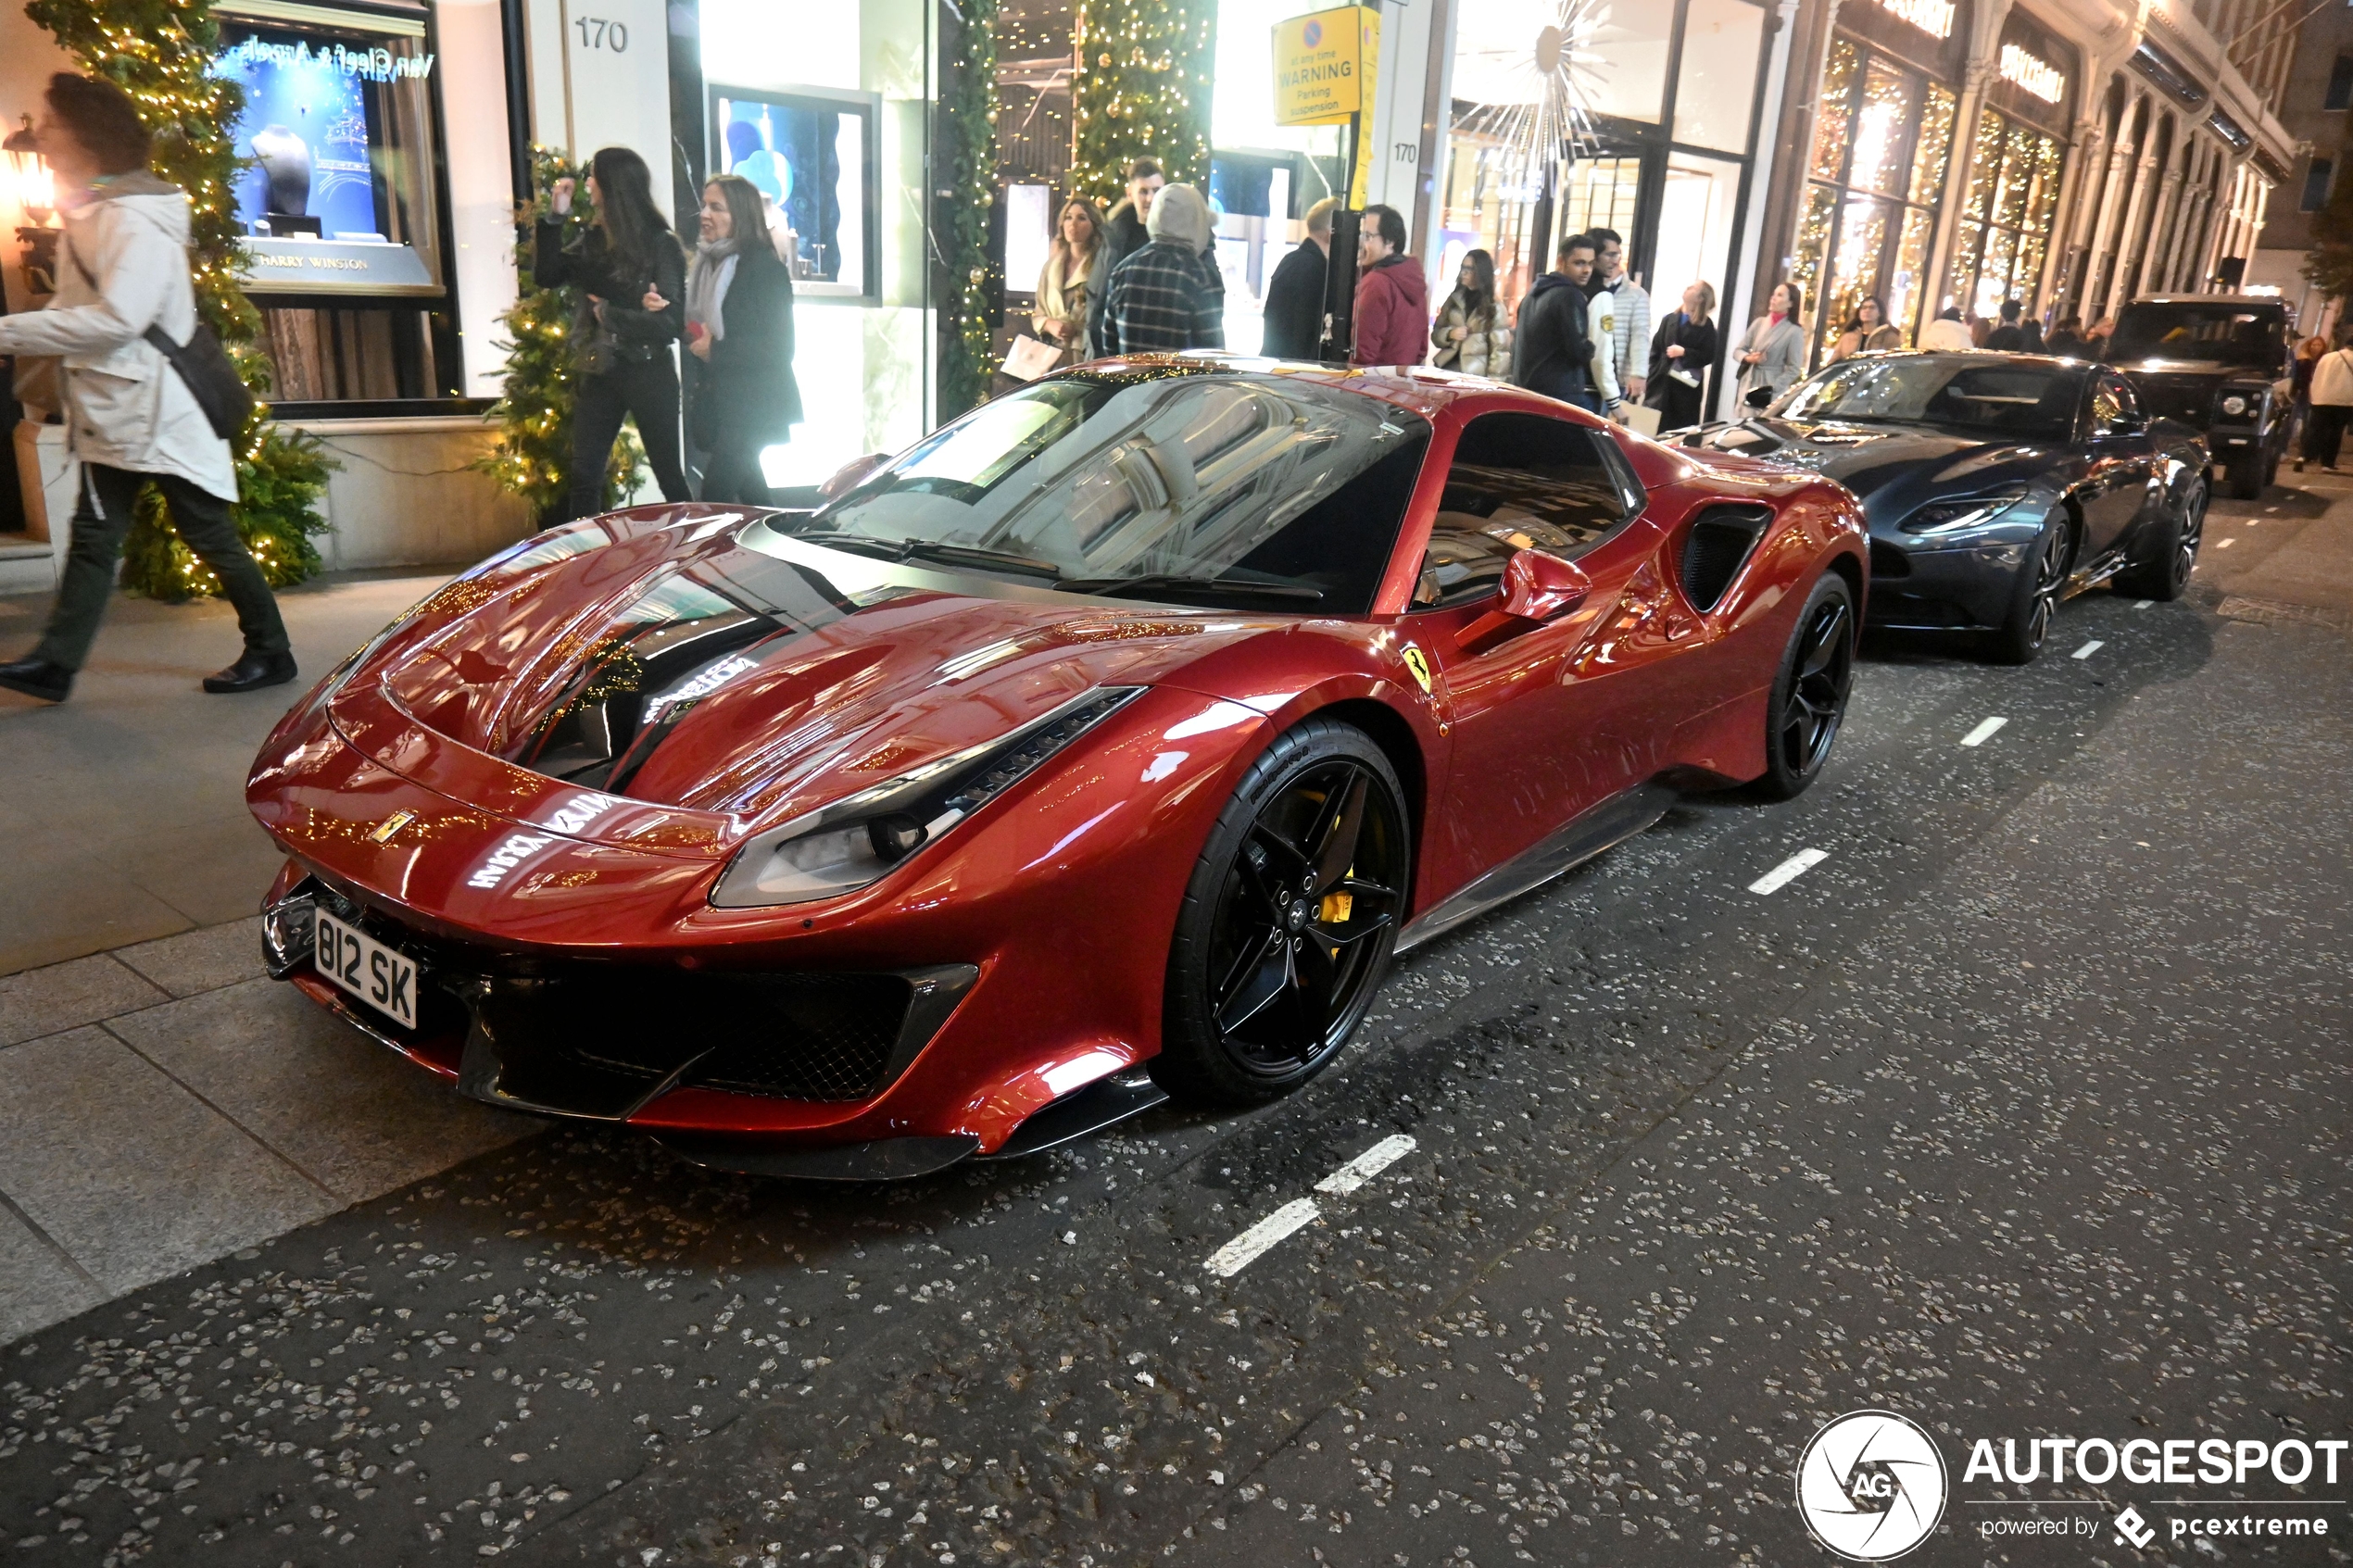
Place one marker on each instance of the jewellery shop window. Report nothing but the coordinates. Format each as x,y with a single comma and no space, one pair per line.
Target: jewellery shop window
342,207
2003,240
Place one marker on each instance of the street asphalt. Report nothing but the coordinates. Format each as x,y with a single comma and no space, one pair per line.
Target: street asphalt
2022,1113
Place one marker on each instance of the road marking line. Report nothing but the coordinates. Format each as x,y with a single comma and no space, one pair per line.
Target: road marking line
2144,603
1984,732
1253,1243
1367,1165
2088,649
1788,871
2224,544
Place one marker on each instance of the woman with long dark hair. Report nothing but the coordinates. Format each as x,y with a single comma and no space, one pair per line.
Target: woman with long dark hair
1867,331
1772,356
632,277
1061,317
1470,335
1683,355
739,330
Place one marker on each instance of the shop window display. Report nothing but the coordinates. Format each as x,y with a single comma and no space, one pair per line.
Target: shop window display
810,155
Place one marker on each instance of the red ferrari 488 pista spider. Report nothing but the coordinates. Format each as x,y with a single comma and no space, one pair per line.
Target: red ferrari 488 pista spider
1102,747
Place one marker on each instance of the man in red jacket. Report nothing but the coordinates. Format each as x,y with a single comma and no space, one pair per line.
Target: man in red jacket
1392,299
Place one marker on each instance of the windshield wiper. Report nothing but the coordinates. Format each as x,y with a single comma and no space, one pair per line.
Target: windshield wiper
1174,586
925,549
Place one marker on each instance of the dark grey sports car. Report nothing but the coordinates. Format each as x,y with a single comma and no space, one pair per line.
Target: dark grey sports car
1996,484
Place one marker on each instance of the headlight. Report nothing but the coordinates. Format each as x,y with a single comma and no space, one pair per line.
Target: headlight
1967,511
2234,405
841,847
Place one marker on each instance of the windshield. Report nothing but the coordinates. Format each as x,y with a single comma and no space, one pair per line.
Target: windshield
2223,334
1190,480
1968,393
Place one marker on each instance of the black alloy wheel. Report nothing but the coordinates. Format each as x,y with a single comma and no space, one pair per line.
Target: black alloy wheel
1809,696
2164,558
2042,583
1289,920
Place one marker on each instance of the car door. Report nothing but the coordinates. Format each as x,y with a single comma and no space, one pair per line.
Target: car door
1545,719
2118,463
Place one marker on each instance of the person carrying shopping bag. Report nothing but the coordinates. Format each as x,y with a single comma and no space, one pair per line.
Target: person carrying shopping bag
626,261
740,329
132,417
1682,355
1772,356
1061,317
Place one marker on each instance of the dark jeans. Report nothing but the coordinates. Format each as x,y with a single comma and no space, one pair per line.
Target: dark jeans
99,523
2325,432
731,471
647,389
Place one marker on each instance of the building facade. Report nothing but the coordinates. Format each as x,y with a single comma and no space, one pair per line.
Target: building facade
2315,108
2071,154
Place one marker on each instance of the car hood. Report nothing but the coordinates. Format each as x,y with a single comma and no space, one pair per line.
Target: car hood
739,679
1888,462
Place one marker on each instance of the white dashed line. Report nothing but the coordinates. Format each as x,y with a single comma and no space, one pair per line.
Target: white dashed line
2224,544
2088,649
2144,603
1984,732
1253,1243
1367,1165
1788,871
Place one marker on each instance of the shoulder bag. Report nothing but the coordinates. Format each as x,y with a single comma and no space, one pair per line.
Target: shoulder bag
204,367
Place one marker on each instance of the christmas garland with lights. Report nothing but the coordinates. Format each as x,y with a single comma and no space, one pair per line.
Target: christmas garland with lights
160,52
1141,89
533,456
967,117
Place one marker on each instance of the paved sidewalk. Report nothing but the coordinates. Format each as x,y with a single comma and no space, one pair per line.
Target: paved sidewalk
161,1104
122,814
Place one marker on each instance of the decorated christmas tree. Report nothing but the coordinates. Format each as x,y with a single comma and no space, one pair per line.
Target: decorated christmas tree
1142,90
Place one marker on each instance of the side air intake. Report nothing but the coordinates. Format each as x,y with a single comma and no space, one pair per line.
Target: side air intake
1718,546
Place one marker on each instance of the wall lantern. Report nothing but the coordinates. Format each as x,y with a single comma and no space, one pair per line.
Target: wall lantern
35,195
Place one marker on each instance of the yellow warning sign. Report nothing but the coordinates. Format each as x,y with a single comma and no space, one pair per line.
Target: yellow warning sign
1324,65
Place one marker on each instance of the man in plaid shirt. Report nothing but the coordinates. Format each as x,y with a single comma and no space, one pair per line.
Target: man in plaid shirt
1168,295
1632,312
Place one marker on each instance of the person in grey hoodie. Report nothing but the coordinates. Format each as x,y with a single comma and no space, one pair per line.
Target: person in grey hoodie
130,419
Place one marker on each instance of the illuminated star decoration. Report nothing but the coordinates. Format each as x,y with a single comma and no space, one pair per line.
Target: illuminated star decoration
1541,88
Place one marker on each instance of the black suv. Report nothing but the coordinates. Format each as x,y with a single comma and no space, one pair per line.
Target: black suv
2219,361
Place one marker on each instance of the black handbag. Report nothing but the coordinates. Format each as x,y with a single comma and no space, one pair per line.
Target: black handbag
204,366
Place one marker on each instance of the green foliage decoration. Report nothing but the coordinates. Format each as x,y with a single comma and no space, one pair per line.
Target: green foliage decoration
160,52
968,122
533,456
2329,264
1141,89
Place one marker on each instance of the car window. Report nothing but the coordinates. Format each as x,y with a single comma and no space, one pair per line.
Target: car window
2114,403
1519,482
2233,332
1194,476
2127,400
1971,393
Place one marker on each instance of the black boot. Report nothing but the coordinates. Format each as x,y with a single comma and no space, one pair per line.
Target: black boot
253,671
37,677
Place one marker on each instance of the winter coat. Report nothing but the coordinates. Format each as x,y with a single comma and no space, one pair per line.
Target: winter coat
1946,336
1555,351
1486,348
1679,405
746,392
126,408
1164,298
1783,346
1881,339
1062,299
2332,380
1294,314
1631,305
1124,234
1393,313
633,331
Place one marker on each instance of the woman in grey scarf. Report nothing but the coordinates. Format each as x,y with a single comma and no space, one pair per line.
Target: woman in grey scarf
739,326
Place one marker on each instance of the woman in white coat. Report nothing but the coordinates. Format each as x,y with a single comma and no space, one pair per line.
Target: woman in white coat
1773,354
130,419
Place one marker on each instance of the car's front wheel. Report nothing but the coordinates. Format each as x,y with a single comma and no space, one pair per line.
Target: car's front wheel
1289,920
2035,597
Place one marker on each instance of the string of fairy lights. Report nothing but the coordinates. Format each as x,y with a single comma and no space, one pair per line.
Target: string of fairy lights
1141,88
161,51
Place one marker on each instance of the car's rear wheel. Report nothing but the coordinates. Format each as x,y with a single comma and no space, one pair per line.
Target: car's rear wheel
1809,694
2161,566
2034,601
1289,920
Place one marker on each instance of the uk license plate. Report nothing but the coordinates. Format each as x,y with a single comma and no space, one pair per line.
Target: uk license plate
378,975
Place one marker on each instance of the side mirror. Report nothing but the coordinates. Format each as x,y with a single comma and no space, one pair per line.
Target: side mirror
1538,586
1759,397
850,475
